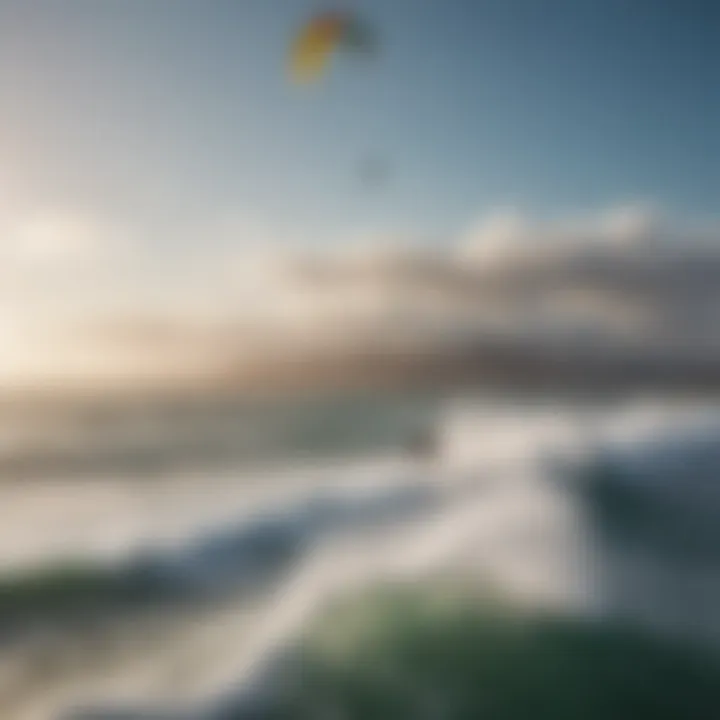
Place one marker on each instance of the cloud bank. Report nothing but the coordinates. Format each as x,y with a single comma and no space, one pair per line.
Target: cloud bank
628,279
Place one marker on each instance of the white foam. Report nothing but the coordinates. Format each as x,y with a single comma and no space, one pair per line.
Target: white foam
487,508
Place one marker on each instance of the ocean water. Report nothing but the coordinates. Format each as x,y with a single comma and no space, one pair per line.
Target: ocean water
149,437
248,518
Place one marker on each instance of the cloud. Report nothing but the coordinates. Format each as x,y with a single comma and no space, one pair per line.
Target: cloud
627,274
53,237
497,236
625,277
633,224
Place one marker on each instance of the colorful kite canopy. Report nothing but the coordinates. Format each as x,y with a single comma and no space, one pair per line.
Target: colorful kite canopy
323,36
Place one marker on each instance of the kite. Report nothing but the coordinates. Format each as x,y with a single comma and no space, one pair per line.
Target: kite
321,38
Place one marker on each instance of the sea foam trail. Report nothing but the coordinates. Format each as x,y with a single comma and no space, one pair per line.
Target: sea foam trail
505,505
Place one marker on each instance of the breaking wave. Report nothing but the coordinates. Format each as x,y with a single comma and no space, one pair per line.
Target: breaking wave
599,510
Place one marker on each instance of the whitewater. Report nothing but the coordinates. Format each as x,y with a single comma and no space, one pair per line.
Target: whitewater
253,554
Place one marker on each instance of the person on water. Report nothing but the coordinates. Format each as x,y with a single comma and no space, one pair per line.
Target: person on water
424,445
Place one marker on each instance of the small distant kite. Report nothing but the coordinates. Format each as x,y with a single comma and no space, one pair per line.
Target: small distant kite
323,36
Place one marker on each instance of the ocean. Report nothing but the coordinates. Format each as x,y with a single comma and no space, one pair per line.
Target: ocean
226,524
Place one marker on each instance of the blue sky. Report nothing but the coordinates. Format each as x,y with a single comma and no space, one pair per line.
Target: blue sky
172,114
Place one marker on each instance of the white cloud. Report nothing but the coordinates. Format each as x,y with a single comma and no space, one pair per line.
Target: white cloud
497,236
633,224
54,237
626,275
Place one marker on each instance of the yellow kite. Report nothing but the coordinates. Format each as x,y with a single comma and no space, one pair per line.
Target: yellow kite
321,38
